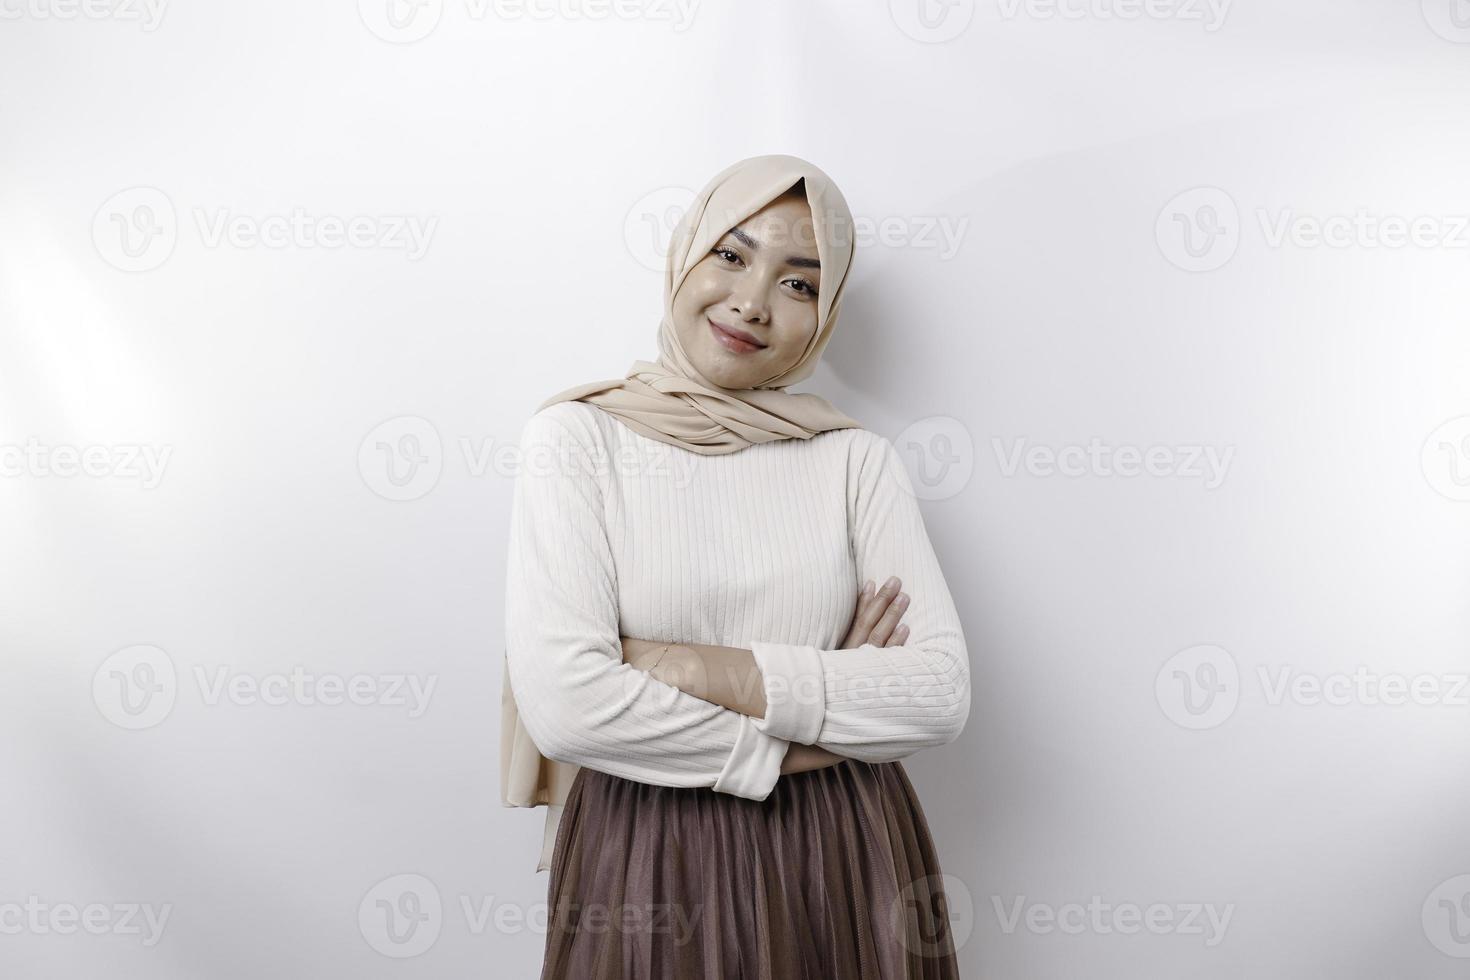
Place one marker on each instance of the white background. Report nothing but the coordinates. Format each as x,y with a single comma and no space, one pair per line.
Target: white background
1132,192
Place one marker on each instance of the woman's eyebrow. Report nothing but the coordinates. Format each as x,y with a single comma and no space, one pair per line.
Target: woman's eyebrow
796,260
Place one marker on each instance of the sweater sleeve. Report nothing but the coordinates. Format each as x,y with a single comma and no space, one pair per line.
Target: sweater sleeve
578,700
872,703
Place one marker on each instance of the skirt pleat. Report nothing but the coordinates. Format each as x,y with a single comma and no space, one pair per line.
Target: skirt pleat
832,877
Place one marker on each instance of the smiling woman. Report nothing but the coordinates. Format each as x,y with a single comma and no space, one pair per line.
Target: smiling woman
746,312
781,829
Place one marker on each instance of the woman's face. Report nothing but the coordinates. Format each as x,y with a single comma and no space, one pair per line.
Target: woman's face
761,279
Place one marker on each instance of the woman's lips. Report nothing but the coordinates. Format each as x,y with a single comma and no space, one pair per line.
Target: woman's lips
731,342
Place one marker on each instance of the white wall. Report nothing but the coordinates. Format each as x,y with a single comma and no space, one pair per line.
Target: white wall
533,155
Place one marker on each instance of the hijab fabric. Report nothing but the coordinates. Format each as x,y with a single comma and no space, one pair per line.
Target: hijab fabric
671,401
668,399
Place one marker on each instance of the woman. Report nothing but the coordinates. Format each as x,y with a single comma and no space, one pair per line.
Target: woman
687,640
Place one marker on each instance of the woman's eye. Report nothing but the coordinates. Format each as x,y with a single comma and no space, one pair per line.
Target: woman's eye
804,286
728,254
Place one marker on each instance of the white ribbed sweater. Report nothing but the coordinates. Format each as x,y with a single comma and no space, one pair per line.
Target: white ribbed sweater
614,533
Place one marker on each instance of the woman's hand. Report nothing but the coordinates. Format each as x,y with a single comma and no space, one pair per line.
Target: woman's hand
877,616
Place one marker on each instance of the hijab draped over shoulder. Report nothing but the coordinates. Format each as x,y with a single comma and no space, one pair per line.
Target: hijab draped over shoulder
669,399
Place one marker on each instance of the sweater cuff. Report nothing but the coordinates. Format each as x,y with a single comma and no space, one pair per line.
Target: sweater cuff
796,690
754,763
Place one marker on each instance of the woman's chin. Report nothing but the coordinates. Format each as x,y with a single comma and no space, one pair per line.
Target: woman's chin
723,368
735,381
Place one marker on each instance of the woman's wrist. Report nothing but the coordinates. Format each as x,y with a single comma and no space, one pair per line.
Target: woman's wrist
805,758
726,676
679,666
643,654
715,675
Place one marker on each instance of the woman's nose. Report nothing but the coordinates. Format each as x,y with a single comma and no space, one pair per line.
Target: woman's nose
751,303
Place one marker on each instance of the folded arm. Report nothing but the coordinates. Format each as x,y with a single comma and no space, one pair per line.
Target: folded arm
579,701
873,703
725,676
877,703
730,676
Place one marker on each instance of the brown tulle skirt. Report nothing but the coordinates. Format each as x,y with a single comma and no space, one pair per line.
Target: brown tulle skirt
831,877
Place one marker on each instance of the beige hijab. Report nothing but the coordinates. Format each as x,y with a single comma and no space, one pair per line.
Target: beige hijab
669,400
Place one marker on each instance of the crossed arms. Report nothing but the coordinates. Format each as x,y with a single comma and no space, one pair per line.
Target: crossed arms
731,678
585,701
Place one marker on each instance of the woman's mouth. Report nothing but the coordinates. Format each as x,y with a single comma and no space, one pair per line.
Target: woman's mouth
733,341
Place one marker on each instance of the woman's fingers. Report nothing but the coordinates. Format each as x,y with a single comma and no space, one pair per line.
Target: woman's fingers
882,631
873,606
899,636
864,599
869,615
